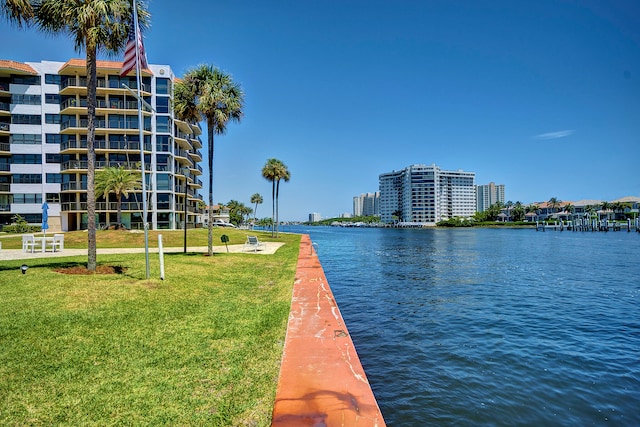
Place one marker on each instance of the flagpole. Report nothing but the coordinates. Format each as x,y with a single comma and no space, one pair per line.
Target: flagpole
138,37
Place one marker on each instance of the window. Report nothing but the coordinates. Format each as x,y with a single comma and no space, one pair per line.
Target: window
163,182
25,99
25,80
51,98
54,178
52,158
163,201
23,198
27,178
163,86
162,162
52,119
25,138
26,119
53,198
162,143
162,104
163,124
52,79
26,159
54,138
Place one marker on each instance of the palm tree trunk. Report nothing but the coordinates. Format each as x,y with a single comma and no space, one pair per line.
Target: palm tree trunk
119,210
277,207
92,83
273,206
210,129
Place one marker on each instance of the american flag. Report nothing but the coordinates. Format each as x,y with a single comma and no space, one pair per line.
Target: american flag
130,51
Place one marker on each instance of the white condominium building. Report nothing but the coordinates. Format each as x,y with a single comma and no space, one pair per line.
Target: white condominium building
423,194
489,194
367,204
43,145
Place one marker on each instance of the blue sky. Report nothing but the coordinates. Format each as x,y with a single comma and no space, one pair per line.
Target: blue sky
542,96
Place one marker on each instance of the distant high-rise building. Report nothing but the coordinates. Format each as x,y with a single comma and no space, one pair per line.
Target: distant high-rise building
367,204
426,194
314,217
489,194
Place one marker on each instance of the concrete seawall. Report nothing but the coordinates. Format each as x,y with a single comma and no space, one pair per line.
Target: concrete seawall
322,382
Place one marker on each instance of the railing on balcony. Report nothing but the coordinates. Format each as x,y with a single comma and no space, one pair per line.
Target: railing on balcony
73,186
5,208
5,146
181,153
101,206
72,102
73,206
5,106
5,167
104,145
82,164
4,127
102,84
104,124
120,105
5,187
4,86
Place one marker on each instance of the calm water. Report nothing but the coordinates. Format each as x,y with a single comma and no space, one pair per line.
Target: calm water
473,327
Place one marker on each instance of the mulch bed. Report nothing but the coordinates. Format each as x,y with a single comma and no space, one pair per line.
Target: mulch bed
100,269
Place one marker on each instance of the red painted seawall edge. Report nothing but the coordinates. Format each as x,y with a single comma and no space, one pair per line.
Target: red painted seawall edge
322,382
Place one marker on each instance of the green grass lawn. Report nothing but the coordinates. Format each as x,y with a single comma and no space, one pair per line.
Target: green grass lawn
202,347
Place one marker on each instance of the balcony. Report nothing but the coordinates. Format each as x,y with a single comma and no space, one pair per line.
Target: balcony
196,155
196,169
4,87
181,140
78,85
182,156
102,126
73,186
101,206
196,142
5,109
81,165
5,167
71,146
5,188
4,128
73,106
196,184
5,148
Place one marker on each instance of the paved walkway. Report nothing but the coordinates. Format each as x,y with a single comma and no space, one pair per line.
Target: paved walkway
13,254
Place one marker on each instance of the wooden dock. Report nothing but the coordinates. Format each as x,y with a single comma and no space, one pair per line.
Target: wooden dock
586,225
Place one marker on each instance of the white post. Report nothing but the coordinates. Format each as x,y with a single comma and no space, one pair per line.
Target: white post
161,255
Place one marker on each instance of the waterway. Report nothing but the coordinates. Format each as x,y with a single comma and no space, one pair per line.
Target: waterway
496,327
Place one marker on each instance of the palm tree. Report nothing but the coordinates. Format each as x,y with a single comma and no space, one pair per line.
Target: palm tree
274,170
120,181
618,207
19,12
257,200
606,207
93,25
554,204
212,95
